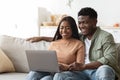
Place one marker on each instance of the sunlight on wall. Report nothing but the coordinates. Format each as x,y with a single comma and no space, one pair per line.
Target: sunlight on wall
18,18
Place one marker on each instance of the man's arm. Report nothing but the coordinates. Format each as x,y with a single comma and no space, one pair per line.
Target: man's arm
37,39
93,65
109,54
77,66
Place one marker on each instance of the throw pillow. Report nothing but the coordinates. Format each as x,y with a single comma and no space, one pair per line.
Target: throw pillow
5,63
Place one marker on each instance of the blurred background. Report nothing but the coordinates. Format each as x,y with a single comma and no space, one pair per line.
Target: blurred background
22,18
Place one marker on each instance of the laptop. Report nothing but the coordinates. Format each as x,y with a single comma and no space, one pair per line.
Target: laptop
42,60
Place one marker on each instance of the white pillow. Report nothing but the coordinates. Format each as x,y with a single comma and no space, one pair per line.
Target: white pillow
15,50
6,64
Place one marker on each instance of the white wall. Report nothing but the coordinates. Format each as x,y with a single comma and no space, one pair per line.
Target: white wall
20,17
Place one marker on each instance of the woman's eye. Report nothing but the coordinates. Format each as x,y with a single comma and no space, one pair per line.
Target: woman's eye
65,28
68,28
61,27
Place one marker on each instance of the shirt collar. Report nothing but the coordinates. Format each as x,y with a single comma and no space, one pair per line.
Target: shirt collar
82,37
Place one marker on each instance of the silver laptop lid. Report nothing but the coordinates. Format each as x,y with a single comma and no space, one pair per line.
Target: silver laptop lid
42,60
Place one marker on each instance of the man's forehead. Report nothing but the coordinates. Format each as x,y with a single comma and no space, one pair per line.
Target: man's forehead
83,18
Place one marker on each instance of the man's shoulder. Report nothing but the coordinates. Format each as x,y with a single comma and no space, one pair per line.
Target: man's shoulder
103,35
103,32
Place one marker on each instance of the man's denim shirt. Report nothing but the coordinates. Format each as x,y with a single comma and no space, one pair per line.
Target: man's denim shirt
103,49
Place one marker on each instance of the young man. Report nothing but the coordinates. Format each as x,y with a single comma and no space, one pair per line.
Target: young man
101,56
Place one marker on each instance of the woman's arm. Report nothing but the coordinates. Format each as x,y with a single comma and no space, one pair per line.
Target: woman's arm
80,59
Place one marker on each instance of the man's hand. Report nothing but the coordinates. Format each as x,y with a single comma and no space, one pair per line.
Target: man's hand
34,39
76,66
37,39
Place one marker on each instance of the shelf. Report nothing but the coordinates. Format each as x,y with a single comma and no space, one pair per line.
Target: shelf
49,31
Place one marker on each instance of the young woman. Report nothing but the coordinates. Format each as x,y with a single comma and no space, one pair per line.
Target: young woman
69,49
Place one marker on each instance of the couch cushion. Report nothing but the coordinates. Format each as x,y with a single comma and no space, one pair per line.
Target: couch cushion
6,64
15,50
13,76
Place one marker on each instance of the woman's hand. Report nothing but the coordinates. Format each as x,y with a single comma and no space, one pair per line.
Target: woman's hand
63,67
76,66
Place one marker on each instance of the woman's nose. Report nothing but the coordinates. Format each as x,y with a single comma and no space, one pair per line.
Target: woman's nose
64,30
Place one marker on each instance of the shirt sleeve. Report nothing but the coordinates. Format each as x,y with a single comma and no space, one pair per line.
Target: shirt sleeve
81,54
109,51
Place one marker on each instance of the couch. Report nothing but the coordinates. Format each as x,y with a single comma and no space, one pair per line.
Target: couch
14,52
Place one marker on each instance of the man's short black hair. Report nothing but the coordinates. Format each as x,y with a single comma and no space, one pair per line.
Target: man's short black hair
87,11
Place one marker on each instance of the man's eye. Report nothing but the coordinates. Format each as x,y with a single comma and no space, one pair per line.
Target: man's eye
85,22
79,22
